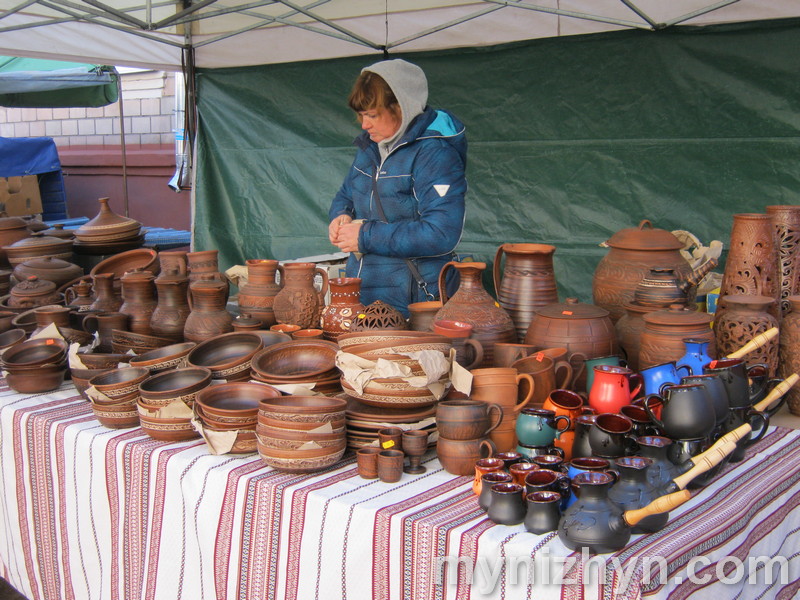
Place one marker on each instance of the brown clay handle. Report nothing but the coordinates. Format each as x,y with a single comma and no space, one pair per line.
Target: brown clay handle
777,392
705,462
324,274
659,505
757,342
645,222
499,409
477,351
496,267
67,291
442,291
562,364
529,378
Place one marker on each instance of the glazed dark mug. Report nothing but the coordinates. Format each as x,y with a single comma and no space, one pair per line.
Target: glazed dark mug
550,462
610,435
758,420
540,427
642,425
487,481
528,452
717,393
543,513
735,374
688,413
507,506
546,480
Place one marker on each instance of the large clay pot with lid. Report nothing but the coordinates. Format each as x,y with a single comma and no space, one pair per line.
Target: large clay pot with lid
169,317
208,317
664,332
299,302
528,281
629,331
744,318
472,304
34,292
12,229
107,224
257,296
38,245
585,330
632,253
138,300
52,269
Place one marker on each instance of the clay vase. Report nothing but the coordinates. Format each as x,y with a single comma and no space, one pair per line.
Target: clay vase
79,296
208,317
632,253
174,262
257,296
299,302
337,317
665,330
790,351
528,281
106,297
629,330
785,220
172,310
203,262
745,317
138,300
501,386
752,263
472,304
422,314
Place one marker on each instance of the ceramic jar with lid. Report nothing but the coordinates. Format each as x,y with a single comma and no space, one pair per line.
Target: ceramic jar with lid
52,269
34,292
665,330
38,245
107,226
12,229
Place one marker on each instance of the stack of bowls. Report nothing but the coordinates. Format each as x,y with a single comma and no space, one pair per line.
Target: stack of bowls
365,421
164,358
35,366
121,390
233,407
299,362
301,434
95,365
174,392
227,355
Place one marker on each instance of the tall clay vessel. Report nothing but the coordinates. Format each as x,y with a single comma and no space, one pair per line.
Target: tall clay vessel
299,302
745,317
172,310
343,308
202,263
138,300
106,297
528,281
209,318
173,262
790,351
785,220
257,296
472,304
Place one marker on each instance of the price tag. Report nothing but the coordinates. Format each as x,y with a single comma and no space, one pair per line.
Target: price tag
566,312
387,444
539,356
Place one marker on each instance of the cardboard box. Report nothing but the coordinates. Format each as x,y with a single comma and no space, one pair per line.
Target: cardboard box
19,196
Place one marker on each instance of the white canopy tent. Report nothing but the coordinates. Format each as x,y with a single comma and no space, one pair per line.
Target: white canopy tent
226,33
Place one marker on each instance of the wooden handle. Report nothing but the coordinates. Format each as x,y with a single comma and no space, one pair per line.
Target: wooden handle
705,462
659,505
736,434
777,392
756,343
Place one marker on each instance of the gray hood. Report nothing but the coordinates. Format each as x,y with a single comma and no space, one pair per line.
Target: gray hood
410,87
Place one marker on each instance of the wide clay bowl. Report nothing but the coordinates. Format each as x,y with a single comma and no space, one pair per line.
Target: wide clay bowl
272,337
309,422
122,416
35,352
384,337
292,406
406,347
178,384
295,464
12,337
284,442
25,320
141,258
392,392
166,357
138,342
43,379
168,430
240,399
227,355
120,383
296,360
323,439
81,377
6,316
103,360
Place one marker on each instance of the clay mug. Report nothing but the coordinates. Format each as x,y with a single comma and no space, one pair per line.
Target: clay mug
734,373
509,458
520,470
687,412
567,403
103,324
580,443
547,375
577,361
545,480
506,353
612,360
458,457
550,462
530,452
390,438
422,315
657,376
484,466
507,505
543,512
486,482
504,386
469,352
367,462
467,418
642,424
613,387
610,435
540,427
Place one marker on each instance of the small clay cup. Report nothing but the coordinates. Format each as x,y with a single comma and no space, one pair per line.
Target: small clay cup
390,465
367,461
390,438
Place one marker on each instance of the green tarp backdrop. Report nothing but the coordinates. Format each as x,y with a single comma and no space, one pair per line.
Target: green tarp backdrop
570,140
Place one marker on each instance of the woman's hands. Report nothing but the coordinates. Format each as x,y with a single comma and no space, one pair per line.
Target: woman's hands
343,233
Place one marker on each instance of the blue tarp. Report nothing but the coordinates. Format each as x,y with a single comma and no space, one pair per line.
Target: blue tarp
28,156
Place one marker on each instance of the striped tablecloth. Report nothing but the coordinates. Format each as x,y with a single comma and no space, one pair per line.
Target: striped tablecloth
91,513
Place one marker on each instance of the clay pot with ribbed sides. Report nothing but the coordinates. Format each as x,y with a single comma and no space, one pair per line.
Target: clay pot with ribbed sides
138,300
257,296
299,302
790,350
665,330
629,331
472,304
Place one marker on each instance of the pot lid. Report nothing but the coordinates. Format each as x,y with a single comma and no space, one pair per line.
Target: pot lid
106,222
58,231
678,314
49,264
751,300
12,223
39,240
572,309
644,237
33,286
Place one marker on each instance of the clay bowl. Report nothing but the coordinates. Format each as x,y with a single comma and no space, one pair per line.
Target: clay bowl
300,437
179,384
43,379
25,320
120,384
237,401
118,416
31,353
391,393
292,408
166,357
140,258
277,442
272,337
80,379
103,360
225,423
75,336
305,453
12,337
227,355
395,348
384,337
6,316
299,464
296,360
245,443
122,341
168,430
335,423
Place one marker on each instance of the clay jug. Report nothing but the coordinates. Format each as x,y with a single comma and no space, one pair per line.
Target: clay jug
696,356
503,386
208,317
138,300
632,253
613,387
743,319
633,489
172,310
528,281
337,317
299,302
664,331
785,221
203,262
79,296
173,262
472,304
257,296
106,297
790,351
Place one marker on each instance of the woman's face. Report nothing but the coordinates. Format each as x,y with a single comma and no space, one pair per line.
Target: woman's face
379,123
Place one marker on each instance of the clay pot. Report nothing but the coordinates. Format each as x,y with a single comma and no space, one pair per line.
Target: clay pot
107,226
208,317
528,281
203,262
338,316
5,281
423,314
785,220
50,269
138,300
38,246
629,331
257,296
664,331
458,456
790,350
12,229
51,314
169,317
744,318
34,292
106,297
299,303
472,304
57,230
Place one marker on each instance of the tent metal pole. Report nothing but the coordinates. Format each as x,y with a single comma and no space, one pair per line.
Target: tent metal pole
122,144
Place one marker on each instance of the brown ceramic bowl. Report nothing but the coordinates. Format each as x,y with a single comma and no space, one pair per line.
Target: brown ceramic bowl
35,352
178,384
391,393
227,355
122,341
80,379
44,379
311,423
376,350
141,258
122,416
103,360
25,320
12,337
234,400
120,383
385,337
296,360
245,442
305,453
272,337
6,316
279,435
225,423
166,357
291,407
168,430
292,463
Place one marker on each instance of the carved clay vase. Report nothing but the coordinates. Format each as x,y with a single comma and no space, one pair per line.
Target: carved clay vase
790,351
106,297
528,281
743,319
344,306
785,221
203,262
257,296
138,300
208,317
299,302
632,253
173,265
665,330
752,263
169,317
472,304
629,331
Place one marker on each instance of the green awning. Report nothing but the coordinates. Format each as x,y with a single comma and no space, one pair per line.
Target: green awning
35,83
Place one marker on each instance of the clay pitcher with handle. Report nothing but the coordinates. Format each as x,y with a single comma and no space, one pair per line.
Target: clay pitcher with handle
502,386
299,302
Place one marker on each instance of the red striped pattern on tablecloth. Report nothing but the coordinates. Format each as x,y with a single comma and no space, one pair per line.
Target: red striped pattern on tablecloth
468,548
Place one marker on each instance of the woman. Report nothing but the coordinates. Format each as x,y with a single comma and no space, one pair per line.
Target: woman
400,210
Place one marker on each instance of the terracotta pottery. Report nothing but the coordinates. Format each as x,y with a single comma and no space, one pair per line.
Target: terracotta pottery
12,229
338,316
790,351
106,297
547,375
467,418
244,322
257,296
5,281
51,269
458,456
506,354
38,245
743,319
632,253
423,314
104,324
379,316
34,292
512,391
785,221
299,302
144,259
6,317
173,262
203,262
528,281
208,317
138,300
79,296
169,317
55,314
57,230
665,330
469,352
107,225
472,304
629,331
